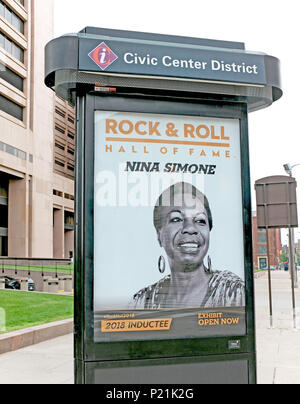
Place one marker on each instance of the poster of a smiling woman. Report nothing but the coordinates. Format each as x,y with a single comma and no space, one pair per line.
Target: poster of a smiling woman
183,222
167,240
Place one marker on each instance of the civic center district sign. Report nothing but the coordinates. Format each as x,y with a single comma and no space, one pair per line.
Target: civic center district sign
115,57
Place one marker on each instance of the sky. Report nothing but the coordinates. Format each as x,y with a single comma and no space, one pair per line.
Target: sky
271,27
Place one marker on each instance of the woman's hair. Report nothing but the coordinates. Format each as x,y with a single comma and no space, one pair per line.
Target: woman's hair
167,198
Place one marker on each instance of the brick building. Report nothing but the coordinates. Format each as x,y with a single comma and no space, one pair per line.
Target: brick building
263,258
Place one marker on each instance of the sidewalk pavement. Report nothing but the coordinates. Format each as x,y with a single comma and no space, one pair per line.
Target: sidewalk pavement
49,362
278,349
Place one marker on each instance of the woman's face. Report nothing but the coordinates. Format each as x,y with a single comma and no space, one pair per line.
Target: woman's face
185,232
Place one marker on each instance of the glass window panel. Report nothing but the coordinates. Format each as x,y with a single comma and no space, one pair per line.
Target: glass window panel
11,17
7,45
22,155
10,149
262,238
8,15
263,263
2,9
11,77
4,216
2,40
11,108
262,249
11,47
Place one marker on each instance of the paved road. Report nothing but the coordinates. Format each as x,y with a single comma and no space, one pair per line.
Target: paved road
278,349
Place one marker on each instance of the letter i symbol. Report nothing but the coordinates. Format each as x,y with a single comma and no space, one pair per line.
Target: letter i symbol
102,56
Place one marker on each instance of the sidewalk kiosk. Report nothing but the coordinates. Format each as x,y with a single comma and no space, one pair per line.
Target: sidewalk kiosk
164,274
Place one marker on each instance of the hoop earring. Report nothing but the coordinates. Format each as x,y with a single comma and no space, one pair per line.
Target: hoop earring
161,264
208,270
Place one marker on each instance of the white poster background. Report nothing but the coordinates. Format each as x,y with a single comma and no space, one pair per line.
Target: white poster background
126,250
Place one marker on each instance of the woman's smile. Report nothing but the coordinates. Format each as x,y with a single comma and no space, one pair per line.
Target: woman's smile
189,247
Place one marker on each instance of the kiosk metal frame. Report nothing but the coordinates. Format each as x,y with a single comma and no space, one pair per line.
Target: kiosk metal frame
86,350
204,360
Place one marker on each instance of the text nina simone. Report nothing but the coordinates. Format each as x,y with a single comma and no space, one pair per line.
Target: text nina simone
150,167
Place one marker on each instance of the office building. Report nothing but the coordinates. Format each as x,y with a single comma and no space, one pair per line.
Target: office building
36,194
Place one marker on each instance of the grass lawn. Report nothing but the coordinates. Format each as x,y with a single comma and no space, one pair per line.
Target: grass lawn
25,309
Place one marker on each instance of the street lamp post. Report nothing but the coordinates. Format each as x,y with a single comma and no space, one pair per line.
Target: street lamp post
294,276
288,169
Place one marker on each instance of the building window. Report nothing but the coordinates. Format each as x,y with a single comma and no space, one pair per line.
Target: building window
11,77
59,129
22,155
3,246
262,250
59,163
11,108
57,193
3,215
10,47
69,221
70,197
59,146
7,148
261,230
262,263
11,17
262,238
60,113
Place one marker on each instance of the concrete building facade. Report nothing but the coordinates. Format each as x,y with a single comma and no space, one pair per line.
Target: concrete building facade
36,198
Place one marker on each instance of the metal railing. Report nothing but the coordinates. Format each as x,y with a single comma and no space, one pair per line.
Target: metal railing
43,265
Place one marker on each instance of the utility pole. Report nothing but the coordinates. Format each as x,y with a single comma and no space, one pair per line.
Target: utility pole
292,264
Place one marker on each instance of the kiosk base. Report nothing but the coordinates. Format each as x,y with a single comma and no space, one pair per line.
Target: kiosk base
233,369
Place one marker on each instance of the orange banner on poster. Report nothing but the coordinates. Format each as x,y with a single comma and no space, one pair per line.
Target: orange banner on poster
136,325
